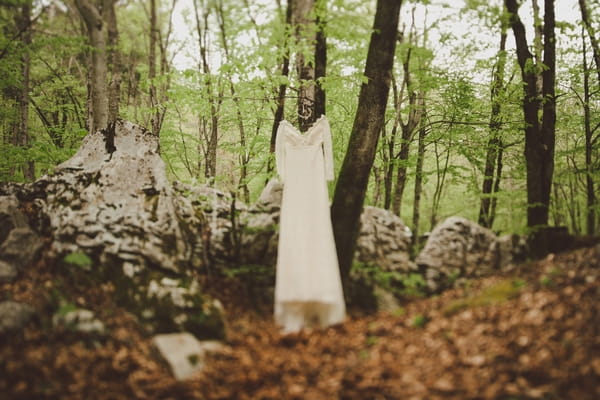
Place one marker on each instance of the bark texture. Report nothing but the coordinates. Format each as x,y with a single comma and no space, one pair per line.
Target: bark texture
96,30
354,176
304,30
539,132
493,161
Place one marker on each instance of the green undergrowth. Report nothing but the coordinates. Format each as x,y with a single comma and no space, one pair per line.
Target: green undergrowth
497,293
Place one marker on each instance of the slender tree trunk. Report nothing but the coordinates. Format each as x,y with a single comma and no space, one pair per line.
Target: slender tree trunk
305,33
496,188
590,194
244,157
442,171
114,61
285,71
539,135
162,89
409,128
585,17
538,41
353,179
213,136
390,144
320,57
402,170
22,131
418,186
154,102
491,182
96,29
548,127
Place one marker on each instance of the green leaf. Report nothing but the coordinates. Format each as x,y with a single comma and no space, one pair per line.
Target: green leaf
79,259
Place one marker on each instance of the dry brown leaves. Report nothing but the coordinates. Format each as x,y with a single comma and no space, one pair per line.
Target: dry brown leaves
539,341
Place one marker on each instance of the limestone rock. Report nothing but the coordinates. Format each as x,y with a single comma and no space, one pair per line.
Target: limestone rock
242,235
8,272
456,248
221,212
21,247
119,204
270,197
14,316
19,244
184,353
511,249
112,202
384,241
10,216
80,320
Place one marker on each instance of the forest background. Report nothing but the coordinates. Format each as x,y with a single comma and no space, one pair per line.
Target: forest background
207,77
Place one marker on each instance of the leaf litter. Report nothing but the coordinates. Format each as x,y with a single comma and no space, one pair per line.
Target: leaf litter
530,334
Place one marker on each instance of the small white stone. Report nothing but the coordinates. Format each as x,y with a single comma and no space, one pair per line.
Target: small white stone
184,353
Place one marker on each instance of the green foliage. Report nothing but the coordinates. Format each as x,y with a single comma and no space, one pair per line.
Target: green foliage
500,292
548,280
399,283
65,308
452,67
419,321
251,271
79,259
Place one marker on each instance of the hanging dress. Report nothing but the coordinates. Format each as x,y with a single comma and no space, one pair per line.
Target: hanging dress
308,288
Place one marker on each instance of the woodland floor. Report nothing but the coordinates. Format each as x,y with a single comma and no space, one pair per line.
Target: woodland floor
533,334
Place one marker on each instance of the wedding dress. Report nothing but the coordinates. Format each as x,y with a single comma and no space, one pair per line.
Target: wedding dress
308,288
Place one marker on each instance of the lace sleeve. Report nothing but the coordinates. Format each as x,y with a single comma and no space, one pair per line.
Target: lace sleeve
280,151
327,151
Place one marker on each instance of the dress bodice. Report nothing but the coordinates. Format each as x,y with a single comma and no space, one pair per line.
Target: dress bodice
289,137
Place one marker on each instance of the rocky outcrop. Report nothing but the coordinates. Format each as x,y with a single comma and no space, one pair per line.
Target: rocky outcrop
459,248
247,235
120,205
113,203
384,241
79,320
14,316
19,244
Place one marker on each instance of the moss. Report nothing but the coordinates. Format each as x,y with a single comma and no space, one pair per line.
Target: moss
495,294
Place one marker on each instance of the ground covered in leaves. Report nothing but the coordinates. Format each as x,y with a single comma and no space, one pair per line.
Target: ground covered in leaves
530,334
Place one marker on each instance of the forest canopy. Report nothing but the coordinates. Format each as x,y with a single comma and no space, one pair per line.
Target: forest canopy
213,77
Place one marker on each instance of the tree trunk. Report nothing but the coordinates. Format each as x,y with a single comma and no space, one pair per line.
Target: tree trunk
244,156
539,137
96,29
585,18
353,179
390,143
285,71
114,61
409,128
441,173
320,57
154,103
165,68
211,136
548,127
418,187
491,182
305,32
590,194
22,126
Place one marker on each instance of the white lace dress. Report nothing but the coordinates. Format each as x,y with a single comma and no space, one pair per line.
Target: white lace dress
308,288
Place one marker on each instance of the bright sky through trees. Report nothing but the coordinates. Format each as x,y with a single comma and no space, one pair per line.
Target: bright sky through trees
448,28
